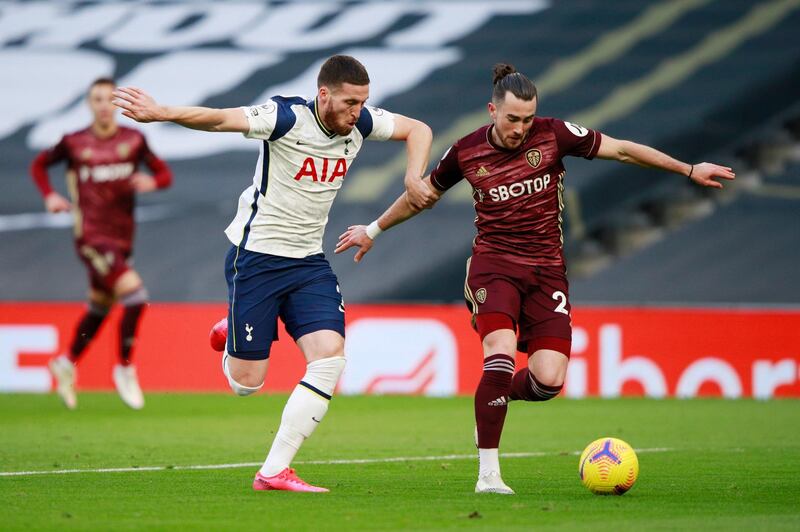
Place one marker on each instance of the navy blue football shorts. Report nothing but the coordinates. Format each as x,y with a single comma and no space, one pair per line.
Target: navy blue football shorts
261,287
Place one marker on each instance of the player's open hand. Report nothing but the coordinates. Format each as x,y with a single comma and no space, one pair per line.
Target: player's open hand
142,183
704,174
356,235
55,202
419,194
137,104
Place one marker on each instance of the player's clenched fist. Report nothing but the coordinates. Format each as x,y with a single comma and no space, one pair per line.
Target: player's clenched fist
420,195
55,202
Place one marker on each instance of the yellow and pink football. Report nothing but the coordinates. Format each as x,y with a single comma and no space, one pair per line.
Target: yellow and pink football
608,466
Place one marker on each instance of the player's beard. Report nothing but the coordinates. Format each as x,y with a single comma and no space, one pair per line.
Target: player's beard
337,124
344,130
342,125
506,141
512,143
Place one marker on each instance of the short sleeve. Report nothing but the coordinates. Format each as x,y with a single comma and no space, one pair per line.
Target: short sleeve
375,123
576,140
262,120
448,172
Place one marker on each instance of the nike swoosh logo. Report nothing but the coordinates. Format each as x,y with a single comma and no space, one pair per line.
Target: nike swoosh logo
315,419
301,143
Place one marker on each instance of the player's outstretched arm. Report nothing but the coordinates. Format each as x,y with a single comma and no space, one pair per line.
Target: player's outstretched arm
630,152
363,236
140,106
418,137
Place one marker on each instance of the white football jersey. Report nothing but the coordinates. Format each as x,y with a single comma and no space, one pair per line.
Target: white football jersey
300,168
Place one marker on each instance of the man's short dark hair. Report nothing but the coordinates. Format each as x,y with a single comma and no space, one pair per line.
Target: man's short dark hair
505,78
105,80
340,69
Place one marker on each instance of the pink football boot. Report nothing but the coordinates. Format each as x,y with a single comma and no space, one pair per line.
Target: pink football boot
218,336
286,480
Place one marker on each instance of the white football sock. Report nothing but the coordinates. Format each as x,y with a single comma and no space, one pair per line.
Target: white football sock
303,412
488,461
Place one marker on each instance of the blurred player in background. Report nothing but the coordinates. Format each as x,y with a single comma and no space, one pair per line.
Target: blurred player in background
103,180
275,266
516,277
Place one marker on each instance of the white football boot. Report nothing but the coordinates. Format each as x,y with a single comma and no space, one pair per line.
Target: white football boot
128,386
492,483
63,371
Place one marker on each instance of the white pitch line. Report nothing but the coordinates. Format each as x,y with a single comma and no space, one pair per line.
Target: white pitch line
304,462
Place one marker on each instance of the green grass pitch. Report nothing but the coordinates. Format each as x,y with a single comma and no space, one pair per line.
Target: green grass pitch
705,464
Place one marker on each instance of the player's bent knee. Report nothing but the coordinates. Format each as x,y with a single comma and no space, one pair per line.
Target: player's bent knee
138,296
553,378
541,387
242,390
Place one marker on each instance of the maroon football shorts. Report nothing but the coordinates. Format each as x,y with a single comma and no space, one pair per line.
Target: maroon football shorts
104,262
535,297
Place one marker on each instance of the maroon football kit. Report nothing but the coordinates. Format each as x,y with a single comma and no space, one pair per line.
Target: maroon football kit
99,172
517,265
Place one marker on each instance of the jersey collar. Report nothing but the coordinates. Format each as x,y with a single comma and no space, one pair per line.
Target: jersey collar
312,104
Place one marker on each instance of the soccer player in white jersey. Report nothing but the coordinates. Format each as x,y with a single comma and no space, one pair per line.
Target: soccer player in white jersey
275,266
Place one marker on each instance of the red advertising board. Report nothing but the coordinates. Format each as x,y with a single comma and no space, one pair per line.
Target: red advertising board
431,349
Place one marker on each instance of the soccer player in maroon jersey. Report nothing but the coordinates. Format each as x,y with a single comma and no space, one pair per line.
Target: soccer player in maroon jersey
516,277
103,179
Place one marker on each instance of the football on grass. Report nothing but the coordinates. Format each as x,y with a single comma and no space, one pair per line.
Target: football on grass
608,466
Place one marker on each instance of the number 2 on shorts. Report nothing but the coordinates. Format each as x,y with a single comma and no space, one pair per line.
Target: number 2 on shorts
561,297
